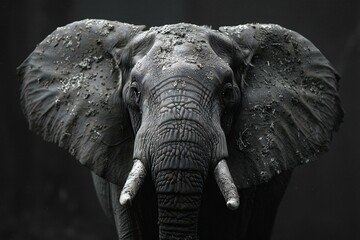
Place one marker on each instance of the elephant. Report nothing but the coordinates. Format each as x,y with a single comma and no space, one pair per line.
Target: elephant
176,119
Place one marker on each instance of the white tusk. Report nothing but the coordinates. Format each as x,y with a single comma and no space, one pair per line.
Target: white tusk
226,184
133,182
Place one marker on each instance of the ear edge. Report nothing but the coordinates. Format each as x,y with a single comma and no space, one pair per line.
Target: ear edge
227,49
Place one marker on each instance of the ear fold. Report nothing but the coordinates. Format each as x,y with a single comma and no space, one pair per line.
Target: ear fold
69,94
290,104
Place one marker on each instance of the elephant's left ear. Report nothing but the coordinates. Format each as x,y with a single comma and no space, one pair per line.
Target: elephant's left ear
290,104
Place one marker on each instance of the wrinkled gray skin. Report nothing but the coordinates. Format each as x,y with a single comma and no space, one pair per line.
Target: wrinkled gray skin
181,98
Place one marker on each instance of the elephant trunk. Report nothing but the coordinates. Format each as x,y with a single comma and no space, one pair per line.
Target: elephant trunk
178,211
180,165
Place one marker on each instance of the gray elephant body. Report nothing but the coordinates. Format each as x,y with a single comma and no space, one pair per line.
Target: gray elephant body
165,115
253,220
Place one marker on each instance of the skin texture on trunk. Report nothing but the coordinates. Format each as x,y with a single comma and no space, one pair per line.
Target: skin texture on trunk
175,221
180,160
179,178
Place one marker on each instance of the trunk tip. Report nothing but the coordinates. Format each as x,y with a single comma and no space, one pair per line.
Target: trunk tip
233,203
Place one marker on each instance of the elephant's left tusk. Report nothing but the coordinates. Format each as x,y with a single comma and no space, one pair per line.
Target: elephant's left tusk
226,184
133,182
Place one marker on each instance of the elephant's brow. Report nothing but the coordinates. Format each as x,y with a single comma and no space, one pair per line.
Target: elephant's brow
165,81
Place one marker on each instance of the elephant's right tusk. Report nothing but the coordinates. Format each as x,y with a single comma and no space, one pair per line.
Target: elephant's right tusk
133,182
226,184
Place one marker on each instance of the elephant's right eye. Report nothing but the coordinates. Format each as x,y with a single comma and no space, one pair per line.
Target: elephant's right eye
134,92
228,94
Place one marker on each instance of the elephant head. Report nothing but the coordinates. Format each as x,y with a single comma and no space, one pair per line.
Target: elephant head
181,103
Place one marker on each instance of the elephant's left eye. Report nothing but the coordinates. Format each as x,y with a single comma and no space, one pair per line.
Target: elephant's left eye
134,92
228,94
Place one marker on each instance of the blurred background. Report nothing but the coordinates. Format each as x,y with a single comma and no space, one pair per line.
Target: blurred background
45,194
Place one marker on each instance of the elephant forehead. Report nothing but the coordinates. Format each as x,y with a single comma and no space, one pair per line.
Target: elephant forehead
181,50
194,59
182,42
181,31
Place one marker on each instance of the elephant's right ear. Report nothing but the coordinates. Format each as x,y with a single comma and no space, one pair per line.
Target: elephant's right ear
70,94
290,104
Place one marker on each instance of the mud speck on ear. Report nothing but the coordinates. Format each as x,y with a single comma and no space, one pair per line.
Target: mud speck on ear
86,63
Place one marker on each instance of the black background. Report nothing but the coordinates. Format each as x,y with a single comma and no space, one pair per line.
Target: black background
45,194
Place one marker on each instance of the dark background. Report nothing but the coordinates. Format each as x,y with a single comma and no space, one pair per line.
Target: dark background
45,194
